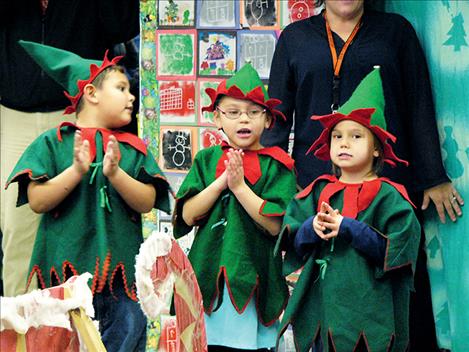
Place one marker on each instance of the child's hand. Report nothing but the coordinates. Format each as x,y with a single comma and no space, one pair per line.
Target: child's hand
234,168
326,220
111,158
81,154
221,182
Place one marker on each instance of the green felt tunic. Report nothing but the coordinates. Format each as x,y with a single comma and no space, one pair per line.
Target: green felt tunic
229,244
83,234
355,299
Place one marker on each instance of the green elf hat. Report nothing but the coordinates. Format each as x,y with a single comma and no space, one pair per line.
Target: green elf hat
245,85
365,106
68,69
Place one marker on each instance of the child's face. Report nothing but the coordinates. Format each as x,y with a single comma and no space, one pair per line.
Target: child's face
243,132
114,101
353,148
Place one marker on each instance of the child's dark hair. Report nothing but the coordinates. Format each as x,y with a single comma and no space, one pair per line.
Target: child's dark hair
98,81
378,162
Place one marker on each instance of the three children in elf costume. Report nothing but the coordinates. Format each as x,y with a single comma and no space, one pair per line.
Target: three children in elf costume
236,194
356,235
92,181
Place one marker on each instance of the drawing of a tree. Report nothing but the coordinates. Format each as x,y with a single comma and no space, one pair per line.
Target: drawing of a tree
171,11
457,33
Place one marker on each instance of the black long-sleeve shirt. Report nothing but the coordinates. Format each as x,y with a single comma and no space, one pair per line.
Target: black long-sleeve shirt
85,27
301,76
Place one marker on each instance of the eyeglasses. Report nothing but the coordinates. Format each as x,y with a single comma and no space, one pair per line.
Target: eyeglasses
234,114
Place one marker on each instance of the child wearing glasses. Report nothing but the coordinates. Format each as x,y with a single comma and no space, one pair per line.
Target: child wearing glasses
356,235
236,194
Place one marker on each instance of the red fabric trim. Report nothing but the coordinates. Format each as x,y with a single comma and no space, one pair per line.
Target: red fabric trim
129,292
241,310
66,264
270,214
102,279
362,336
90,135
25,171
305,192
95,276
53,272
391,342
36,270
329,333
400,188
251,164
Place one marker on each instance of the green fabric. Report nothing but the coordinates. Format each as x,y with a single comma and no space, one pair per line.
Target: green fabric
368,94
247,79
228,238
65,67
83,230
355,296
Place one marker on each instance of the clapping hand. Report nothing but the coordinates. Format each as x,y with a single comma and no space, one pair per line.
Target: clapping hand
327,222
111,158
81,154
234,169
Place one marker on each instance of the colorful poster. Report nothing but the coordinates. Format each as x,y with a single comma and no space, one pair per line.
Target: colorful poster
296,10
176,13
175,55
217,53
177,102
205,118
209,137
257,47
177,148
258,14
221,14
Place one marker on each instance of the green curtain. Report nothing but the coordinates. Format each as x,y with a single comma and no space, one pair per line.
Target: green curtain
442,28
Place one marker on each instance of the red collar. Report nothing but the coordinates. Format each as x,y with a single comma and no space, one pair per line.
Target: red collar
90,134
357,197
251,164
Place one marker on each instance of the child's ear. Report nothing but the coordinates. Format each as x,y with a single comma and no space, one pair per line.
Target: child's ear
268,120
89,93
217,119
376,152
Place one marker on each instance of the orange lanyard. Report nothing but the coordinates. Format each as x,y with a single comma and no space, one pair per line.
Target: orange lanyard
337,61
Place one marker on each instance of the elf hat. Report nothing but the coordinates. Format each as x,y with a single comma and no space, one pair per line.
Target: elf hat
68,69
245,85
365,106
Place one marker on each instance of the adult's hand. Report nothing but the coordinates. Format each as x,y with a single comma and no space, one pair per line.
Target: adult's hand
446,199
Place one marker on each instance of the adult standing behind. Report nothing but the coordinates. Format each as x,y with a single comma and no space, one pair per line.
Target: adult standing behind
32,103
318,62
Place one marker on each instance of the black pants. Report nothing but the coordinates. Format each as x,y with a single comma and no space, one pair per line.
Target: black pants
421,320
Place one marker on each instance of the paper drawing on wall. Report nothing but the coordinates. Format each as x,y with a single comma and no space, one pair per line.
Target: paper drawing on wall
205,118
217,53
217,14
177,148
176,54
175,180
209,137
258,48
260,13
177,102
176,13
296,10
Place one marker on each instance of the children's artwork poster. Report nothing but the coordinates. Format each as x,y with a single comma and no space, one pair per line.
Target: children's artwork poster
166,227
205,117
218,14
209,137
178,146
257,47
296,10
149,223
217,53
176,13
176,54
260,14
177,102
